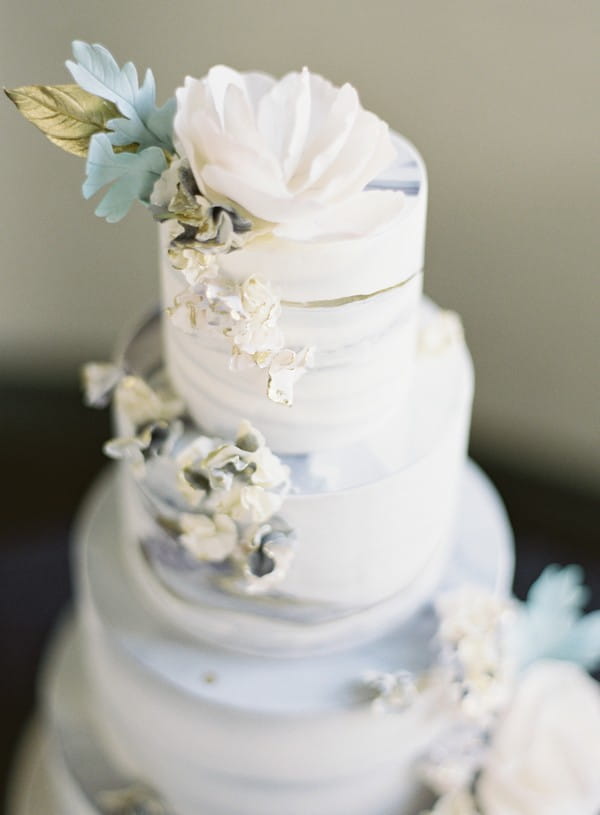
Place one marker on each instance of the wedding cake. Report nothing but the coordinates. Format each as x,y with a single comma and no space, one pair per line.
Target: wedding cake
293,591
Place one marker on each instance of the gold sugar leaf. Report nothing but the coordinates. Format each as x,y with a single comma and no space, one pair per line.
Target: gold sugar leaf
66,114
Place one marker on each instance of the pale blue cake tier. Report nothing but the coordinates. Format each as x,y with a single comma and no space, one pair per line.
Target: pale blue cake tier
128,696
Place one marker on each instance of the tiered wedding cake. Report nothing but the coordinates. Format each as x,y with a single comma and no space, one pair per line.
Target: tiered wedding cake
294,595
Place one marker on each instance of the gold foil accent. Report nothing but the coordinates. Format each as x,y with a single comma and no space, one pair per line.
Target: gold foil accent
353,298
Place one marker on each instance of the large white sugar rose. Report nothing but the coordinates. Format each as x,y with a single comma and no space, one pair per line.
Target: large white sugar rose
545,753
296,152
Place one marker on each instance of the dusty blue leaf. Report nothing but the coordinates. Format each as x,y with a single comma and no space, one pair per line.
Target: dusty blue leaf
159,122
131,176
551,623
96,71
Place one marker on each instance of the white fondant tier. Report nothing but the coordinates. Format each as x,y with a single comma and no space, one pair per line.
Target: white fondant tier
361,372
364,350
129,696
327,269
378,528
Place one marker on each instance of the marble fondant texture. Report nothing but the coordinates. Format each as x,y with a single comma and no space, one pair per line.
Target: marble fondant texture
372,520
131,694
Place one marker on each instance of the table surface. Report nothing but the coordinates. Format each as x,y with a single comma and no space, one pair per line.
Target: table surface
52,453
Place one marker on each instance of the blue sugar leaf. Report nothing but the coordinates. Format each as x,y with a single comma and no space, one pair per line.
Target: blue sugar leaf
123,131
97,72
132,176
583,643
551,624
146,97
559,589
160,121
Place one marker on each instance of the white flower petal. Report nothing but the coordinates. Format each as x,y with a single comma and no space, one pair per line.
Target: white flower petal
281,150
286,368
331,129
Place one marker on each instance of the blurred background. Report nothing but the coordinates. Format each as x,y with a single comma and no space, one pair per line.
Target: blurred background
502,101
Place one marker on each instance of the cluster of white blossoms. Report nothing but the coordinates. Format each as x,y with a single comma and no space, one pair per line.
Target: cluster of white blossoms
475,662
474,669
247,314
234,490
244,480
147,415
527,738
542,754
231,491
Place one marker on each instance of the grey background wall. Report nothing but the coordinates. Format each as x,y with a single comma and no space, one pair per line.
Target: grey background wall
502,100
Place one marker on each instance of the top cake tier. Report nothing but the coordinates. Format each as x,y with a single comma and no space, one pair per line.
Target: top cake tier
292,234
307,329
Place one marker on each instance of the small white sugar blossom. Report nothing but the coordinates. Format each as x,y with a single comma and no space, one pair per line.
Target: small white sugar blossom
194,266
141,404
268,469
475,660
131,450
469,612
213,302
247,503
99,379
236,474
205,538
286,368
391,691
257,334
165,187
236,489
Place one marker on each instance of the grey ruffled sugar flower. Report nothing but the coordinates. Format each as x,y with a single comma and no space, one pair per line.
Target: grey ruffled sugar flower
235,490
265,554
201,226
155,438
